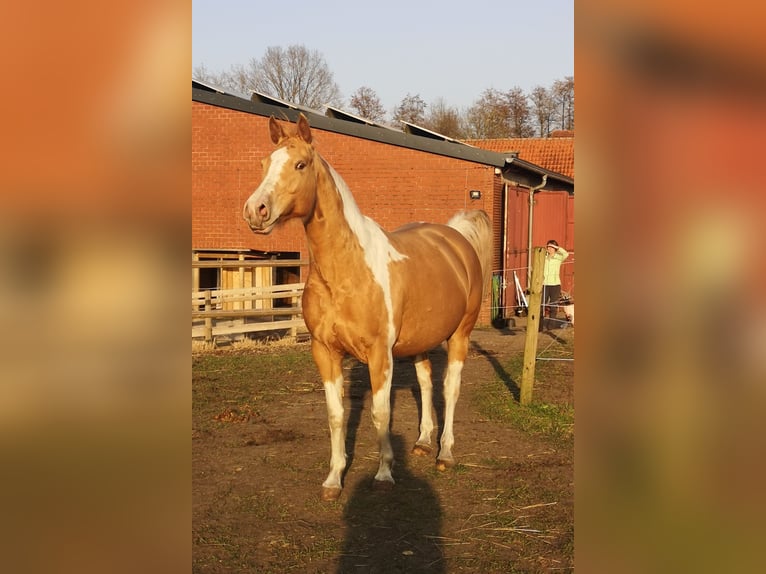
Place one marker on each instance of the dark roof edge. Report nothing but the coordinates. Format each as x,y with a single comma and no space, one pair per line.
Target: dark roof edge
515,165
373,133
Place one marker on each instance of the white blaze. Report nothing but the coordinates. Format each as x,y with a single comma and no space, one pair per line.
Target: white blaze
278,159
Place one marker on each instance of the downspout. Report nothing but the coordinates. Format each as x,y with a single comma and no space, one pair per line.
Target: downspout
505,226
532,191
504,278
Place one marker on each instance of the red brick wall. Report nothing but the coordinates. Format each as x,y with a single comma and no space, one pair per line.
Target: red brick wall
392,185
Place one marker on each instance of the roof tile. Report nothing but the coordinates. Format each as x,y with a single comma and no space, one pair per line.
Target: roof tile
553,153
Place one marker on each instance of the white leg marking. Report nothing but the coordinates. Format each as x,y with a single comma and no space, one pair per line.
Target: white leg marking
451,394
334,397
423,372
381,418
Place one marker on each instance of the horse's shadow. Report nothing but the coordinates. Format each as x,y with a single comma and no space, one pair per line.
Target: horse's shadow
393,531
397,530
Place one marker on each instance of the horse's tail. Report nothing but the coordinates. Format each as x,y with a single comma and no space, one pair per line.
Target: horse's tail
476,227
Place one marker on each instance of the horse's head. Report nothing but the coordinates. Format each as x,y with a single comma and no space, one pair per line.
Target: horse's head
288,187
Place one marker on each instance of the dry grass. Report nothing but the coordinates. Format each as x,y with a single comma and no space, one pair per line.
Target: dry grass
247,344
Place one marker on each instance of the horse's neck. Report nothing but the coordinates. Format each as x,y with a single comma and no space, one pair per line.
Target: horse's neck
337,218
340,236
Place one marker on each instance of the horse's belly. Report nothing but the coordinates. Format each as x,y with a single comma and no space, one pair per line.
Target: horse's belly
410,348
424,332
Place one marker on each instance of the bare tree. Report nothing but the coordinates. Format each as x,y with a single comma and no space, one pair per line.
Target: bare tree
366,103
444,119
294,74
201,73
411,109
543,108
487,118
297,75
241,78
519,115
563,95
515,114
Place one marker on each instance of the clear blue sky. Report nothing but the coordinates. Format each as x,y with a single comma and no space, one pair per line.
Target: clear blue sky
446,49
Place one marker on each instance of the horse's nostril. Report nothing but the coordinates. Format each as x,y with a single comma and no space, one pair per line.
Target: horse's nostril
263,210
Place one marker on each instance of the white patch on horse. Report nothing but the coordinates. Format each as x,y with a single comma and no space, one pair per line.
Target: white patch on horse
452,379
378,251
334,399
279,158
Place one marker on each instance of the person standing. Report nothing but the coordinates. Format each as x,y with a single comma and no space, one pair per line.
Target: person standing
554,257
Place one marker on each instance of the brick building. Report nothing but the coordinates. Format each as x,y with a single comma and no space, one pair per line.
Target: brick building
552,213
397,176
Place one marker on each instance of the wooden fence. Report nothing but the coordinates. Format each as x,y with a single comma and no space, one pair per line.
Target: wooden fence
226,312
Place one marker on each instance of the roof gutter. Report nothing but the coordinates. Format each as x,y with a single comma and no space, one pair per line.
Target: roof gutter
524,174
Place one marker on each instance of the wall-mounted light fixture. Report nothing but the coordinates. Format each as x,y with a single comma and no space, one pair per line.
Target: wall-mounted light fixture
475,194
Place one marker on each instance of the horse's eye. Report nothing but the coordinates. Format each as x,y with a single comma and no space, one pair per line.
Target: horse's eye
300,165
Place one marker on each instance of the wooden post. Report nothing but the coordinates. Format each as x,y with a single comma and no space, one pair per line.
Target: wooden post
208,320
195,276
294,330
533,322
240,282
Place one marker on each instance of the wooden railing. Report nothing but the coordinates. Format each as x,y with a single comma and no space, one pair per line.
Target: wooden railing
207,311
225,312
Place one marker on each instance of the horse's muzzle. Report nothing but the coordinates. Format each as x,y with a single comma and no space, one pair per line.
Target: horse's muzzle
257,218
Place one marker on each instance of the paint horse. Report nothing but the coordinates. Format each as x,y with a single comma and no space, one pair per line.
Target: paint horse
374,294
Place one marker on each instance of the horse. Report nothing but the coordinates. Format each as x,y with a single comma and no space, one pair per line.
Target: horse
374,294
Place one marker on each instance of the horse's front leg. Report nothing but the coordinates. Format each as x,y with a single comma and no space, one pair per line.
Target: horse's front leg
329,363
423,371
381,366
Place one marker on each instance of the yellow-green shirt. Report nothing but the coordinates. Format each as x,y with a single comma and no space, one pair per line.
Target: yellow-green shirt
553,265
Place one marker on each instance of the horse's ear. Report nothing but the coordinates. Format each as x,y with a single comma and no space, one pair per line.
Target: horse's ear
304,131
276,131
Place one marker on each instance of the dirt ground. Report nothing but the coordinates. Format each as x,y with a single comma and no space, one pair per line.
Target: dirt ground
260,446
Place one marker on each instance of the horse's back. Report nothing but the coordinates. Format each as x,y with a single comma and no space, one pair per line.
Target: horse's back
432,234
438,249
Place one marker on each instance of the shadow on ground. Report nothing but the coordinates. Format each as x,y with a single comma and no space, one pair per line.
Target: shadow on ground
397,530
500,371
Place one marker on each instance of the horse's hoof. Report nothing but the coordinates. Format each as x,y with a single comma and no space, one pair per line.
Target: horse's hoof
382,485
442,465
421,450
330,494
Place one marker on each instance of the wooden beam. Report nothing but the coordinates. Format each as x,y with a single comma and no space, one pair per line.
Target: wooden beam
234,263
237,313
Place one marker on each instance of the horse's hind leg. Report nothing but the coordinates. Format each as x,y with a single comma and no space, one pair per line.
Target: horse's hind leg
457,349
423,370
